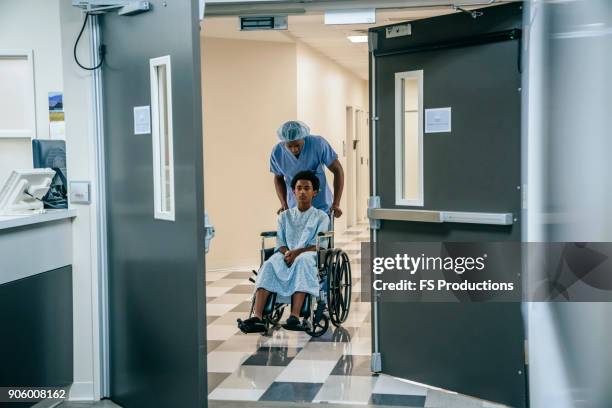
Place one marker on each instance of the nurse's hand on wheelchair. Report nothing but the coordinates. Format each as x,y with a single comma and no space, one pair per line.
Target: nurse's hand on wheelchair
283,208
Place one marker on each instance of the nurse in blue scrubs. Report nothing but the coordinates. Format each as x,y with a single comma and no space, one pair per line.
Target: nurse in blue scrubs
297,151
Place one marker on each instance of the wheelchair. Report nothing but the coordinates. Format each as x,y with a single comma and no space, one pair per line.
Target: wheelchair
334,300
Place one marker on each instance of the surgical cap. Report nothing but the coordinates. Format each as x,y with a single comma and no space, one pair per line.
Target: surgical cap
292,130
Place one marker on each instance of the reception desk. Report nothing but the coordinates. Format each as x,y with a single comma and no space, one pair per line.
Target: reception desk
36,299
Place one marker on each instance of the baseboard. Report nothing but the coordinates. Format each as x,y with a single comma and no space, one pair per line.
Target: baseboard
245,268
82,391
47,404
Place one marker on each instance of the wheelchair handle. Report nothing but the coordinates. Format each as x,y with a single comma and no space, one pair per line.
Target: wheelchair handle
265,235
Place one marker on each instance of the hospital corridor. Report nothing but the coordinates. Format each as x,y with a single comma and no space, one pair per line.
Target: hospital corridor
305,203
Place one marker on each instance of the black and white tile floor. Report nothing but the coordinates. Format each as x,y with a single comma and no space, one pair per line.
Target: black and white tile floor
292,366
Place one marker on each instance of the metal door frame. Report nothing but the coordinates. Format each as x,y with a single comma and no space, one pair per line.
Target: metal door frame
228,8
99,188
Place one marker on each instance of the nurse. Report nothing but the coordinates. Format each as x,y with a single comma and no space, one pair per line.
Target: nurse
297,151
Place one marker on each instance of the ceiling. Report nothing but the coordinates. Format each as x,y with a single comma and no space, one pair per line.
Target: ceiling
329,40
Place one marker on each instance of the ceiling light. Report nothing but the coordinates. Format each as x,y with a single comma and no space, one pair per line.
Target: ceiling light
350,16
358,38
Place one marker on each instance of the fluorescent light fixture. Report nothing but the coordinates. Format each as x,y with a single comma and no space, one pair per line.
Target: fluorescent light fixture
350,16
358,38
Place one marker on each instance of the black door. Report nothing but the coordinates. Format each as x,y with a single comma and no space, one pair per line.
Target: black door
155,207
465,75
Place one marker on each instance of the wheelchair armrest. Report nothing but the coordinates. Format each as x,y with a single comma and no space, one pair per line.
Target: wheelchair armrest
325,235
268,234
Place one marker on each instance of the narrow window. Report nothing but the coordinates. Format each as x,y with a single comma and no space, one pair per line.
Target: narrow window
163,155
409,138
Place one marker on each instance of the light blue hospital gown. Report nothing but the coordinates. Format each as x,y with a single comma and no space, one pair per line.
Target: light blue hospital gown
296,230
315,154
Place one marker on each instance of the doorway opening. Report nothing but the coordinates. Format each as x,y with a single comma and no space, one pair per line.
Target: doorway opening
254,81
357,149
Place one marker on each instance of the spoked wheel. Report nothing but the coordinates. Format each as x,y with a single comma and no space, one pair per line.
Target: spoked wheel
319,328
339,289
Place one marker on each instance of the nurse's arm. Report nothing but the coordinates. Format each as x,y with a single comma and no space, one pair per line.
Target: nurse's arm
281,192
338,172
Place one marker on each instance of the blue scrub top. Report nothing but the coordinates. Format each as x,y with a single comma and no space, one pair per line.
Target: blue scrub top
315,154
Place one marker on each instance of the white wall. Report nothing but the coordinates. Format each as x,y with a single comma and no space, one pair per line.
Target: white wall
250,88
324,91
249,91
49,28
31,25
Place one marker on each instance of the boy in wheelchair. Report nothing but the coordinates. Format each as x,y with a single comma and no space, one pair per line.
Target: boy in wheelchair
292,270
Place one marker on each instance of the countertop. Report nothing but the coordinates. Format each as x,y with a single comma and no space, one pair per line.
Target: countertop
14,221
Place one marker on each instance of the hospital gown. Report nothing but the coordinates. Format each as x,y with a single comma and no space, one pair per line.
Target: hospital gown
296,230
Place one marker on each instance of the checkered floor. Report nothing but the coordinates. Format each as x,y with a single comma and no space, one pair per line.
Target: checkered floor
292,366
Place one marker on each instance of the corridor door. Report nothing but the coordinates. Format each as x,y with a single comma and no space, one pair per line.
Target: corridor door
459,78
154,174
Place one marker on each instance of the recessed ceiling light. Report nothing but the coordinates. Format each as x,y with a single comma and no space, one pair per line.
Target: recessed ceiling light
358,38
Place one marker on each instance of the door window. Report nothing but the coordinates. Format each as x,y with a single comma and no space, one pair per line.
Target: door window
409,138
163,156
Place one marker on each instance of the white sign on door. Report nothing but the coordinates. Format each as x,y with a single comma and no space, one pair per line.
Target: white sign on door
438,120
142,120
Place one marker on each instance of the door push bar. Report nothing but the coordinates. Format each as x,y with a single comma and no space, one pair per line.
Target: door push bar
393,214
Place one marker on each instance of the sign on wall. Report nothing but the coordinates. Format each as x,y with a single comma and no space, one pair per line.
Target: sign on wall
142,120
438,120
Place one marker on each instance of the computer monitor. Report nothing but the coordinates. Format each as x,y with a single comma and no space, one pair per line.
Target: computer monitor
24,190
52,154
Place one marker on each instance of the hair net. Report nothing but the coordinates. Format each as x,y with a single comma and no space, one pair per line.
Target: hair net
292,130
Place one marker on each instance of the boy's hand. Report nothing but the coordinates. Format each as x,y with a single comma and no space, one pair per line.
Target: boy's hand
290,256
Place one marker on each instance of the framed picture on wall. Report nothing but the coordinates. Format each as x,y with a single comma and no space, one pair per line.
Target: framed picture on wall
17,95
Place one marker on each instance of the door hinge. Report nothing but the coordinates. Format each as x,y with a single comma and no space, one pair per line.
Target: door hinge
374,202
376,363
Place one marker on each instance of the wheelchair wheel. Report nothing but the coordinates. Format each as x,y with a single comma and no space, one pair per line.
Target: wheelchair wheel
318,329
339,288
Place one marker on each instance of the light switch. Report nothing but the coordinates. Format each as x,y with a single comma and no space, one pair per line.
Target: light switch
80,192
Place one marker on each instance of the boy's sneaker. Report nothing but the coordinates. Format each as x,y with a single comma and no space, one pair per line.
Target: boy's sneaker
293,323
251,325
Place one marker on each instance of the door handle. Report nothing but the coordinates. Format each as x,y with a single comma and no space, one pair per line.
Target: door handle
399,214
